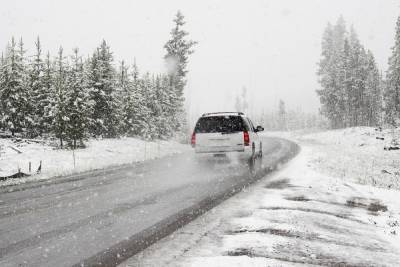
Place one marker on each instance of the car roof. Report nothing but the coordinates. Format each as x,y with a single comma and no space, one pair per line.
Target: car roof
222,114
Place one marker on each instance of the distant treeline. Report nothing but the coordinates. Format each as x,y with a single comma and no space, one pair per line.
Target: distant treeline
353,91
72,98
284,119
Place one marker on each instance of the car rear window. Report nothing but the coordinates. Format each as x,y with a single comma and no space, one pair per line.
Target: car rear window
220,124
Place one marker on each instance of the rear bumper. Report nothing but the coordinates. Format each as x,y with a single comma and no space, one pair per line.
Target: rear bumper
241,152
218,149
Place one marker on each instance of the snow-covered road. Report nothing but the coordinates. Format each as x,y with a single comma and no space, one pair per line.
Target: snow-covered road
106,216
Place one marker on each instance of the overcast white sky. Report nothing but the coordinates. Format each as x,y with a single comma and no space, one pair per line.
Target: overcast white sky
271,47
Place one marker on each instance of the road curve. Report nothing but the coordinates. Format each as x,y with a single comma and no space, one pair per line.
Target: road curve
103,217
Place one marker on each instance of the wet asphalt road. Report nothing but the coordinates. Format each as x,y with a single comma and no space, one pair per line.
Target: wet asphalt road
104,217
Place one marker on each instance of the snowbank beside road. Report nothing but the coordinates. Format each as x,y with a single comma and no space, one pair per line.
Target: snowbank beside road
98,154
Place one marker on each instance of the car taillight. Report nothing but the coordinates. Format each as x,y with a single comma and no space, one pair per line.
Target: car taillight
246,138
193,142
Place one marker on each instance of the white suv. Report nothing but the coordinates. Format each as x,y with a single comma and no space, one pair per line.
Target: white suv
227,132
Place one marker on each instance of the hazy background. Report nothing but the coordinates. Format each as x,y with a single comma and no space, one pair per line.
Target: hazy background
270,47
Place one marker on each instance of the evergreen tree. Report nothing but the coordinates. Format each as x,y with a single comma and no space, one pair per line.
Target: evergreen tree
160,107
282,115
3,84
78,105
166,97
102,85
331,73
134,111
178,51
359,75
392,88
40,93
149,131
124,85
59,106
27,93
123,81
373,92
46,122
348,85
14,95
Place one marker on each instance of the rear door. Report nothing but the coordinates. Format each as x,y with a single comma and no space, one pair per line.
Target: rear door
254,136
219,133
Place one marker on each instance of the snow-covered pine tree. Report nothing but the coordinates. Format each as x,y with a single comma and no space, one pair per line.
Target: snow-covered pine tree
60,101
373,92
348,84
49,89
3,83
78,105
123,80
169,108
135,72
15,95
28,108
148,92
133,107
173,101
178,50
102,86
241,103
160,108
282,116
163,93
238,104
338,73
40,92
330,73
392,88
358,69
123,87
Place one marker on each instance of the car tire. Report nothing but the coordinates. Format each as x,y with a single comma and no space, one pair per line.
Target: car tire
252,163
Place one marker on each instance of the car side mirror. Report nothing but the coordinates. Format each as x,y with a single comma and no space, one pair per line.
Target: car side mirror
259,129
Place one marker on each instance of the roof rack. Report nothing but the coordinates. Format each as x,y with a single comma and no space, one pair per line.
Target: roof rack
229,112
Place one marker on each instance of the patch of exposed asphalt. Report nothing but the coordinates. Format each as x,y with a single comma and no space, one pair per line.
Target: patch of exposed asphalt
307,210
309,236
372,205
279,184
298,198
375,207
301,257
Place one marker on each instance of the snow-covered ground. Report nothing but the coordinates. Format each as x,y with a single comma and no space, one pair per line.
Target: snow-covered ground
354,154
310,212
358,155
98,154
